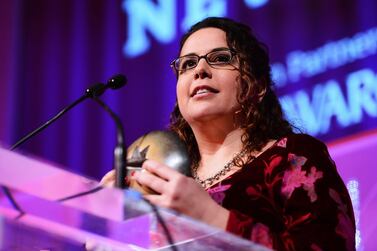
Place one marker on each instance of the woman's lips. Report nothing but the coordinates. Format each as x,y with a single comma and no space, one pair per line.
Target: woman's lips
203,89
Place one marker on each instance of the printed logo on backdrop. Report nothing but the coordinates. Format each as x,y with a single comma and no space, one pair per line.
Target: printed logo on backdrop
347,101
159,19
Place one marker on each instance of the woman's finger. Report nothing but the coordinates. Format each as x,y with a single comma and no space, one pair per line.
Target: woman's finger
155,199
160,170
161,201
109,179
150,180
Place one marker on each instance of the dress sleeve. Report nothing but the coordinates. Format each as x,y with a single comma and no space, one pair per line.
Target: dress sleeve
292,198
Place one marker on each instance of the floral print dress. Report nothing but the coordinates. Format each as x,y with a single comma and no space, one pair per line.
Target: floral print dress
291,197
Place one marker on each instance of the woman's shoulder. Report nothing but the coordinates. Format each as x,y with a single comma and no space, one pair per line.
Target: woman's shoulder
302,145
305,147
300,141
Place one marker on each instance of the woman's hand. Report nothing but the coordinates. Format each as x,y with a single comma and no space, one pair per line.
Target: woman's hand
181,193
109,179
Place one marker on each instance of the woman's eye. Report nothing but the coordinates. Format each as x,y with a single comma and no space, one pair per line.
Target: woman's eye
220,58
187,64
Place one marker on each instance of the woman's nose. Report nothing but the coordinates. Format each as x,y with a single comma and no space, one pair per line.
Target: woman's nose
203,69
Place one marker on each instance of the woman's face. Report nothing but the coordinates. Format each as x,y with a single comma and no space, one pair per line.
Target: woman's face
206,92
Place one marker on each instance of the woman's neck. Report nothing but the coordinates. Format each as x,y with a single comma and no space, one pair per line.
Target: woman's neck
217,142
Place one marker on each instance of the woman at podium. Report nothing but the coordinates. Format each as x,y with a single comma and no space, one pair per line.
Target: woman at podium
251,174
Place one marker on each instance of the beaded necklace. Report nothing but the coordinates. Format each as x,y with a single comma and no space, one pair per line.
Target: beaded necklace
227,167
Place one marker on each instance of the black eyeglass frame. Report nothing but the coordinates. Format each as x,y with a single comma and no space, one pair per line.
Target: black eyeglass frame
233,53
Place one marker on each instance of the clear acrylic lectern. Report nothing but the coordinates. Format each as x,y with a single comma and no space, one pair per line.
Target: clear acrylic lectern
107,219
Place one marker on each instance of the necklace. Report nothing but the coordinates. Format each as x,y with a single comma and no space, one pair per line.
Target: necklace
209,181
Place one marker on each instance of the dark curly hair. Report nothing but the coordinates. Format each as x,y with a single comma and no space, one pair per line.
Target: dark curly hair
261,116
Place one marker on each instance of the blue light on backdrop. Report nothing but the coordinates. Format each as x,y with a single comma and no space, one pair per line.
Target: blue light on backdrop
160,19
316,110
143,16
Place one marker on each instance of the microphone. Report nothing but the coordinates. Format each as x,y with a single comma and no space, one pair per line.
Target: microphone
120,151
117,81
96,90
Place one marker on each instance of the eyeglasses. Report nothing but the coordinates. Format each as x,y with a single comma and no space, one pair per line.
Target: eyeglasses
217,58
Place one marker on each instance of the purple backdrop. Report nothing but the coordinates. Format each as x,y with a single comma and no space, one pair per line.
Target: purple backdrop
323,52
55,49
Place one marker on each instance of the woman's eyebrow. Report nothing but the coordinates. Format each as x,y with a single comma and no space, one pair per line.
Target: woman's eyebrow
189,54
219,49
214,49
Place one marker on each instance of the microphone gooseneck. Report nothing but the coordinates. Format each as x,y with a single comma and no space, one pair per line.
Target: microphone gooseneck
120,151
50,121
120,159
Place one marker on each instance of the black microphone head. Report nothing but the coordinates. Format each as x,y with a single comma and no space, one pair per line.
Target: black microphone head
117,81
95,90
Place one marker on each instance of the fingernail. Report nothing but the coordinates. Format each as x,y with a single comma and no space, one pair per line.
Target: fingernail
134,175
